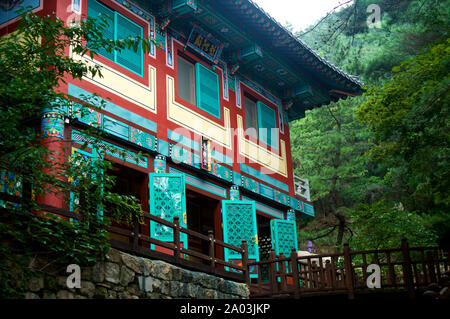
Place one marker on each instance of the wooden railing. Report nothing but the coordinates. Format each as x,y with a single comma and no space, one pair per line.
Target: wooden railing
402,269
177,255
406,268
139,244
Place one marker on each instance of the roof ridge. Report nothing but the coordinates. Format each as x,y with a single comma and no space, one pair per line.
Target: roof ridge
352,78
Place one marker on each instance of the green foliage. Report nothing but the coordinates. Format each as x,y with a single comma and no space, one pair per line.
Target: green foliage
34,65
328,147
382,225
124,209
396,143
410,120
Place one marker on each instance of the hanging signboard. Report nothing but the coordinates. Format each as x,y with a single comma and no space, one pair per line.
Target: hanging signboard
204,44
205,154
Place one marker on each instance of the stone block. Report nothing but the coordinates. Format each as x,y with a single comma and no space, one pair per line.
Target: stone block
86,273
190,290
36,284
112,272
64,294
87,288
31,295
111,294
153,295
124,295
162,270
114,256
134,288
132,262
175,288
126,275
98,272
51,283
62,281
186,276
156,285
209,294
101,292
165,287
145,284
48,295
176,273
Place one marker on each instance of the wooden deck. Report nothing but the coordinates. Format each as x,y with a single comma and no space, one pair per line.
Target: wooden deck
403,270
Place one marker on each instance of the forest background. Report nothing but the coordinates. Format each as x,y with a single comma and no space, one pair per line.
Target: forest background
378,164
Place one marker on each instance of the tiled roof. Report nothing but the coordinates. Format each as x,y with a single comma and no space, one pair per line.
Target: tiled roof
351,78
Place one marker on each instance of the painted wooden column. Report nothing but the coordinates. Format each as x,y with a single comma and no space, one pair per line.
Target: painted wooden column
290,214
234,193
52,137
160,164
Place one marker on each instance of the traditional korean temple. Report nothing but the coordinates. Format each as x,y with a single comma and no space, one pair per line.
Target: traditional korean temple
209,107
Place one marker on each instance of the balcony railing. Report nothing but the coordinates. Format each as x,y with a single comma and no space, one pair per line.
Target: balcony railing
302,187
403,270
138,243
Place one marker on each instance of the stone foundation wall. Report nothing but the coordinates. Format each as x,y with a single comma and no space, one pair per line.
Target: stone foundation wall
124,276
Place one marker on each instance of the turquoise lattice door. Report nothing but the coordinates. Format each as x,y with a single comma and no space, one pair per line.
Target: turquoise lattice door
284,236
167,200
239,223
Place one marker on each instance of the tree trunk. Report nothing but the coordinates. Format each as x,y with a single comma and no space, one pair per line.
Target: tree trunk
341,229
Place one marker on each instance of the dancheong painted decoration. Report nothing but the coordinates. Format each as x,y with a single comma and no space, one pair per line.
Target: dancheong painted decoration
197,128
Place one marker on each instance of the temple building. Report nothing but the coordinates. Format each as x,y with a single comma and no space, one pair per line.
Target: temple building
209,107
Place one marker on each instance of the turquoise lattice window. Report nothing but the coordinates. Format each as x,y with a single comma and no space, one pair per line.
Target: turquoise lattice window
239,223
167,200
284,236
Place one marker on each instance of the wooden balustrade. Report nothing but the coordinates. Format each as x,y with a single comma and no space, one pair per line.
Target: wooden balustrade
235,272
402,269
137,243
405,269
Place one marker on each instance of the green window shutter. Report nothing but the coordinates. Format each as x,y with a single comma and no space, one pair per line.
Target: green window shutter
127,57
207,90
239,223
284,236
99,11
167,200
267,121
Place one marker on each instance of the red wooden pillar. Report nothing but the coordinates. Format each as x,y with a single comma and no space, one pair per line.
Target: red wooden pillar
52,138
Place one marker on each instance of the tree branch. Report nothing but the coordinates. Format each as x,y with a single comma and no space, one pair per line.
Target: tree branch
326,16
326,234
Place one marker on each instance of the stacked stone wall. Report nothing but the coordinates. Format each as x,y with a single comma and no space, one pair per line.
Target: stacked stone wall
124,276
